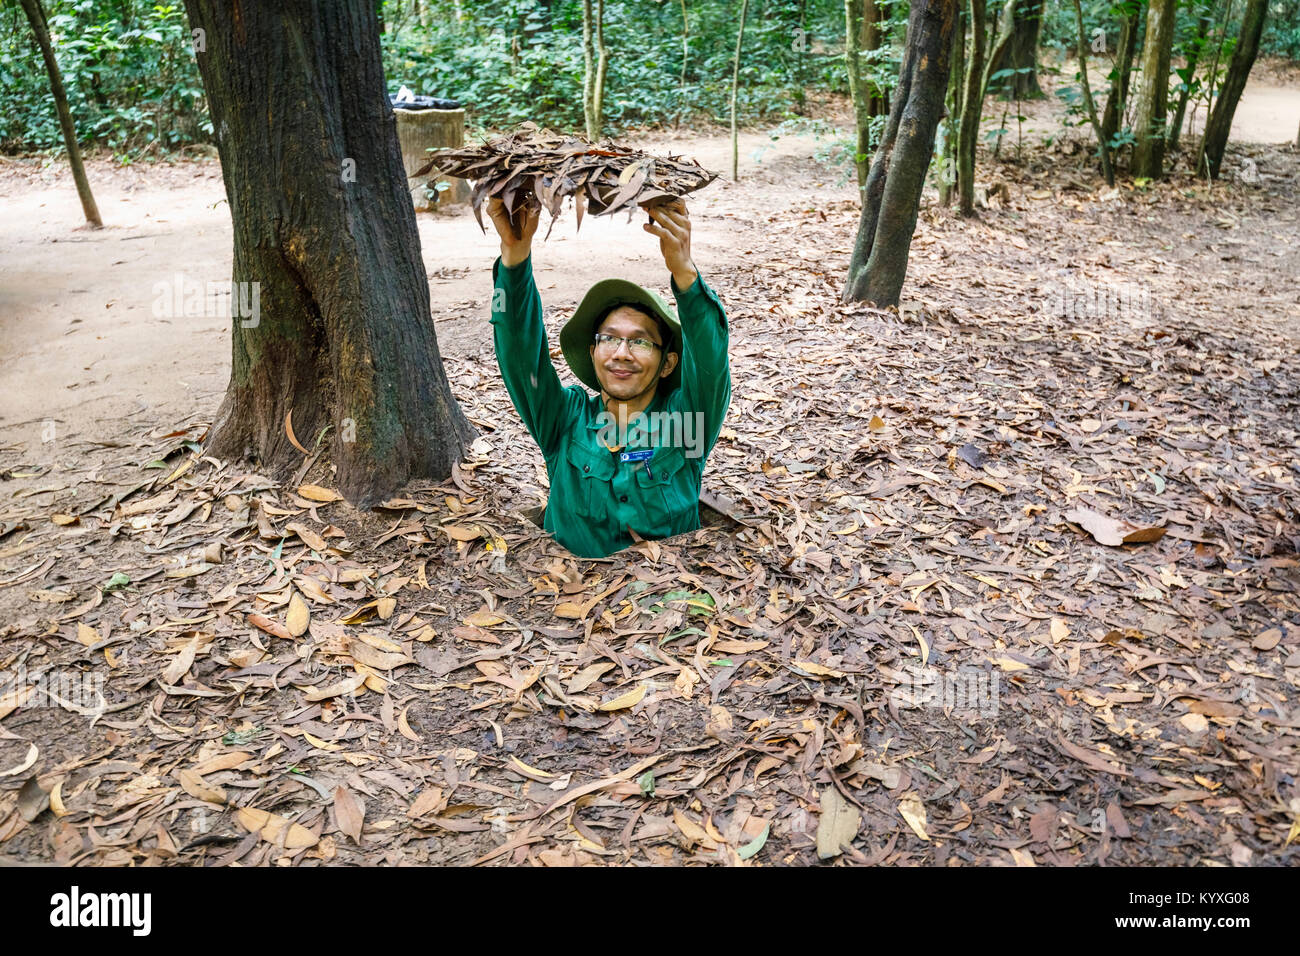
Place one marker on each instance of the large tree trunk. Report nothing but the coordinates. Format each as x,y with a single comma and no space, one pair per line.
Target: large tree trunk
1234,84
1117,96
1021,52
324,230
1149,123
972,105
36,17
892,197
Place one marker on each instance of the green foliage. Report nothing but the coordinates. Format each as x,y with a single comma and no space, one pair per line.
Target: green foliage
133,83
128,68
1282,30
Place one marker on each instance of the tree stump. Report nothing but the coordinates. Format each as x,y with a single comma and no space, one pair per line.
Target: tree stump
421,130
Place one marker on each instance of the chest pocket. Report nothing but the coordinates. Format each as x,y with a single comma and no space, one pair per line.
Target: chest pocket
669,492
593,471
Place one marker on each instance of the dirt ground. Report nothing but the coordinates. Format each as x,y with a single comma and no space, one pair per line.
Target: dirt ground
916,498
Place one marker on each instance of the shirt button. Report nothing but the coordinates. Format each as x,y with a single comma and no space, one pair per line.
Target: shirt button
622,497
586,467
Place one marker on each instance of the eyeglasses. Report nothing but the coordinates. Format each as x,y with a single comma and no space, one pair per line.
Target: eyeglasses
640,347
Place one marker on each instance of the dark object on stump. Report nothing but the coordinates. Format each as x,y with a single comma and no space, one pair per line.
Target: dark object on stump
423,103
604,178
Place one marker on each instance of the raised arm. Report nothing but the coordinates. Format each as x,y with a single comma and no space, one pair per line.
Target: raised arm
706,371
519,336
706,368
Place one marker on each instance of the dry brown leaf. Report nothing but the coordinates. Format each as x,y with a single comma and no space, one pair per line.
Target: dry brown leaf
624,701
912,810
317,493
838,824
307,536
275,829
350,812
194,785
299,617
348,685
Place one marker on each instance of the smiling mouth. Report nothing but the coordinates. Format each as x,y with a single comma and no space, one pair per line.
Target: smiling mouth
622,372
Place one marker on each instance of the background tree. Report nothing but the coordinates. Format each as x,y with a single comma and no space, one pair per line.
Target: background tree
36,17
324,224
1130,14
1103,145
1153,96
1234,83
892,197
861,38
972,102
1021,53
735,86
595,58
1186,73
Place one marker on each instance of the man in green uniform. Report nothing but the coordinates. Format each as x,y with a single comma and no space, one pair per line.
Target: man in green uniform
629,458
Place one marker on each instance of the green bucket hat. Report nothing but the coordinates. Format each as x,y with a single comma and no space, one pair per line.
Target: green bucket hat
577,334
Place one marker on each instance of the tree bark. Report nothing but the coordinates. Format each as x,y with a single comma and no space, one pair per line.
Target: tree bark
1219,124
972,103
892,197
1149,122
1117,95
36,17
1022,51
324,231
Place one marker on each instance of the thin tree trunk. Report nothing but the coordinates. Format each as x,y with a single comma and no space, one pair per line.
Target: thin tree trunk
952,111
872,17
1149,123
36,17
857,29
1106,169
972,102
324,233
588,73
800,52
686,53
1117,96
735,85
1203,24
878,264
1219,124
1004,32
602,64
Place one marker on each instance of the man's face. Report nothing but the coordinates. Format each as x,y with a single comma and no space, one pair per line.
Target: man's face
623,374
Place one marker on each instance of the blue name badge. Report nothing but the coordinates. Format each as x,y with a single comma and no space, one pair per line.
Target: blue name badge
642,455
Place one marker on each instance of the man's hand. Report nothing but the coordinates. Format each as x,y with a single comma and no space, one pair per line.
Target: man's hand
517,233
672,225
